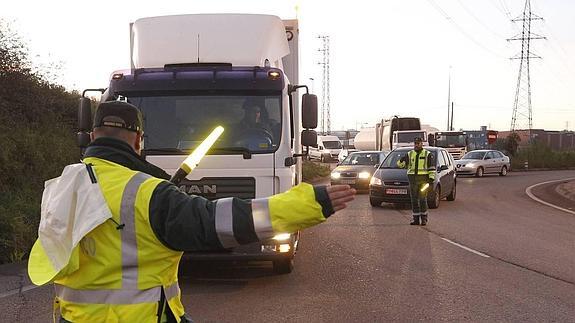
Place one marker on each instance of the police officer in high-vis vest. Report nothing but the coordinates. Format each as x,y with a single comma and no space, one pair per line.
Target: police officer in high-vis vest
113,229
420,164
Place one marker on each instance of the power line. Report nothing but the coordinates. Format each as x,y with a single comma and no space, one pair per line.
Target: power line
461,30
469,12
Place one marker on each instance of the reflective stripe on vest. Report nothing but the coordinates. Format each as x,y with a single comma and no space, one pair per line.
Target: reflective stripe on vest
115,296
128,232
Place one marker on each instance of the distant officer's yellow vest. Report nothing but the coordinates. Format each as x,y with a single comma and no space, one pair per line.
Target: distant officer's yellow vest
124,268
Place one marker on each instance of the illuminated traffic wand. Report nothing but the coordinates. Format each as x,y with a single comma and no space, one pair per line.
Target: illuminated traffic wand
194,158
424,188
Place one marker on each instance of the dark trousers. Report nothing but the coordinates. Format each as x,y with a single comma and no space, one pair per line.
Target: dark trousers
418,199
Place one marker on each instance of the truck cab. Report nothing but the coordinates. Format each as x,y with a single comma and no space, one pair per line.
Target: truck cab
186,80
406,138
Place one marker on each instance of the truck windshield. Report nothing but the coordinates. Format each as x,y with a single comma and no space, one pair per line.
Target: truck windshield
180,123
409,136
450,140
332,144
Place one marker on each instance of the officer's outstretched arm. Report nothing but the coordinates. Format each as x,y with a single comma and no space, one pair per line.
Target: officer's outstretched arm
191,223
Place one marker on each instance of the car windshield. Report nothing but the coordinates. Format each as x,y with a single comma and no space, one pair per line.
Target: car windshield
361,159
182,122
474,155
332,144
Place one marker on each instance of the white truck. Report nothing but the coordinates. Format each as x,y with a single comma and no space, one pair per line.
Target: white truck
190,73
327,149
381,136
455,142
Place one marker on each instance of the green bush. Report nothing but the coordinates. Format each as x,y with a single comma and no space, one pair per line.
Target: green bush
541,156
312,170
37,138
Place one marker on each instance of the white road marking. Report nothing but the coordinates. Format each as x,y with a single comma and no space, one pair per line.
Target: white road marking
528,192
466,248
17,291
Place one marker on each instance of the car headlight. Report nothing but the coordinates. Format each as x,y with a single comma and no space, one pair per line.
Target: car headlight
364,175
375,181
282,237
335,175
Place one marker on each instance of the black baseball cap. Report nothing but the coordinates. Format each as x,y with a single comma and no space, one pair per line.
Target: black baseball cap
118,114
417,139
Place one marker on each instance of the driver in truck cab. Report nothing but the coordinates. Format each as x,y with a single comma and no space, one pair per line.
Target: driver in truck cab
113,228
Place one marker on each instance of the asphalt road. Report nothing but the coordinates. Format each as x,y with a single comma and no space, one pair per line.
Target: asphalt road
494,254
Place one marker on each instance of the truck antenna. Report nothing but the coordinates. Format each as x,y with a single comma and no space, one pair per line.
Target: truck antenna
198,48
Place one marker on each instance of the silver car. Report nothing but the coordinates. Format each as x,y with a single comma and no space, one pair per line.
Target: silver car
480,162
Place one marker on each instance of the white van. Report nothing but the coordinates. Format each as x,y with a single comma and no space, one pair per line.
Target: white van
328,147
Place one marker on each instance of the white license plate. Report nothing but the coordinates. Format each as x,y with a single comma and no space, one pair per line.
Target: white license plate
348,181
397,191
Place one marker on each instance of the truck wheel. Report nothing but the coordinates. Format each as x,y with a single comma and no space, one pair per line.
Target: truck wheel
434,198
503,171
283,266
451,196
479,172
375,202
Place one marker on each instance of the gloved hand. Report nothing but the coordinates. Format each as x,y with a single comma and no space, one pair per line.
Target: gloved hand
430,180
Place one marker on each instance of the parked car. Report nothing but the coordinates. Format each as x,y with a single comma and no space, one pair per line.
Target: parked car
357,168
390,183
344,152
480,162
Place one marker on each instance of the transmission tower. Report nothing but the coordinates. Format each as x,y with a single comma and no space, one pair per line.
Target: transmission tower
522,117
325,104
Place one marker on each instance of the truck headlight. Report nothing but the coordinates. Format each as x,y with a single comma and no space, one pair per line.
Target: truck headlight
375,181
282,237
364,175
335,175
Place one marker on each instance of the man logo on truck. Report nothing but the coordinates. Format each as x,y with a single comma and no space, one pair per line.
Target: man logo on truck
197,189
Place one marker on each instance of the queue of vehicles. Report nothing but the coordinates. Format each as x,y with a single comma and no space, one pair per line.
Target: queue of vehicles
391,139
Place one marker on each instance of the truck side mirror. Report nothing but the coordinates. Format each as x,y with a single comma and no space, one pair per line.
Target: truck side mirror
84,122
309,111
85,115
309,138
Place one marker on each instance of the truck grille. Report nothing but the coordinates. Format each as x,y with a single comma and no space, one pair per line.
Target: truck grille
219,187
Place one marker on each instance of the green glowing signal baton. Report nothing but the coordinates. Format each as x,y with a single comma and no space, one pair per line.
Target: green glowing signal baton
424,188
194,158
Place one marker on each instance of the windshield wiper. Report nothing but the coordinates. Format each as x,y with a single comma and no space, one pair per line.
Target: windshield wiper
245,152
159,151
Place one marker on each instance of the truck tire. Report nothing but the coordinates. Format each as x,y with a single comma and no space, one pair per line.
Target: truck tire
434,198
283,266
375,202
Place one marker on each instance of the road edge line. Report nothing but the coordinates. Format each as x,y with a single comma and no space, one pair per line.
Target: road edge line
535,198
466,248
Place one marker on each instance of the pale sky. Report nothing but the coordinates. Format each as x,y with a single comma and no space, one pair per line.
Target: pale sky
388,57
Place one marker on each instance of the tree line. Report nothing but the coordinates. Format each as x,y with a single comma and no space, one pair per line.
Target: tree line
37,139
